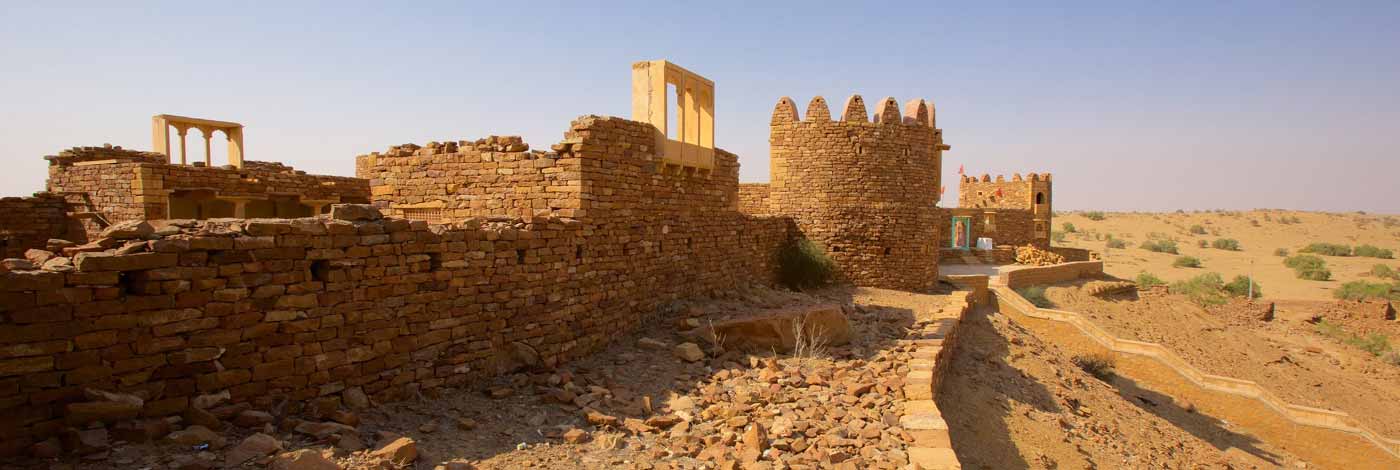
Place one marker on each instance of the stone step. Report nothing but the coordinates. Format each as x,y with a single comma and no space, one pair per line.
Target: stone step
918,385
934,458
925,424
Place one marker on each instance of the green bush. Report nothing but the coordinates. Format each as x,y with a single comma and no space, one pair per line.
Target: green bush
1370,251
1308,267
1362,290
1384,272
1117,243
803,264
1239,287
1329,249
1186,262
1094,215
1280,252
1036,294
1304,262
1146,279
1069,228
1057,236
1198,230
1314,274
1204,290
1226,244
1160,246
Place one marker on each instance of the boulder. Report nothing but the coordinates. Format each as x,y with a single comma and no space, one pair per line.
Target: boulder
106,407
778,329
127,230
690,352
402,450
196,435
255,446
305,459
355,398
355,212
38,257
17,264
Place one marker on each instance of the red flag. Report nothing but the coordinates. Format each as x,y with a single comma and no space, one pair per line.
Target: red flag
960,169
998,192
943,190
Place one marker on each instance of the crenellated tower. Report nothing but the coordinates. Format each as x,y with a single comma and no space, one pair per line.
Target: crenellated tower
865,188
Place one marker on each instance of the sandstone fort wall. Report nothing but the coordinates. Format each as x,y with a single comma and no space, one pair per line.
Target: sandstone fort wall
268,309
866,191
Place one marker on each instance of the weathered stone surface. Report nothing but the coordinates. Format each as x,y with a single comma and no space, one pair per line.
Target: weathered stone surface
128,229
689,352
401,450
195,435
254,446
305,459
355,212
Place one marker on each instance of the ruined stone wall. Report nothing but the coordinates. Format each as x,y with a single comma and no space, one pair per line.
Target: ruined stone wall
29,222
123,185
866,191
754,198
305,308
492,176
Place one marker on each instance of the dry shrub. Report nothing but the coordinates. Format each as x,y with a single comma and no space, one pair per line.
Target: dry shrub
1099,365
809,341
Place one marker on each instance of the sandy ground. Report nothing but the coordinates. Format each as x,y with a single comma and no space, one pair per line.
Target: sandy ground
1285,355
1259,232
1013,401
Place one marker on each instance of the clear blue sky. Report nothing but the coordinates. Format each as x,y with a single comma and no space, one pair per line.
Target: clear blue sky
1132,105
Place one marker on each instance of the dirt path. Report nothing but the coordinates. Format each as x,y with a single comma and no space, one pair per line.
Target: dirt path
1285,356
1014,401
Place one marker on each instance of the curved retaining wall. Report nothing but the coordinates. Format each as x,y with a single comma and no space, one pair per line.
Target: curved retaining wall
1330,438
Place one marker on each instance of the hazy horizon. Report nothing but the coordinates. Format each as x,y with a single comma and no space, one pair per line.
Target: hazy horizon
1152,107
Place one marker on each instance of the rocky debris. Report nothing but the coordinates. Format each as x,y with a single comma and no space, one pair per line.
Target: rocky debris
46,449
690,352
402,450
105,407
575,436
322,430
355,212
252,419
199,461
253,447
38,257
16,264
130,229
86,441
195,435
355,398
305,459
57,245
780,329
651,344
1031,256
1109,288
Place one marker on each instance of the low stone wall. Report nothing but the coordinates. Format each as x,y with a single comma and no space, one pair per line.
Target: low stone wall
1074,254
29,222
272,309
1000,255
1030,276
935,342
1332,439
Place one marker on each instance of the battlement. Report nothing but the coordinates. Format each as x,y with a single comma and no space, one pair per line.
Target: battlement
1016,178
916,112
